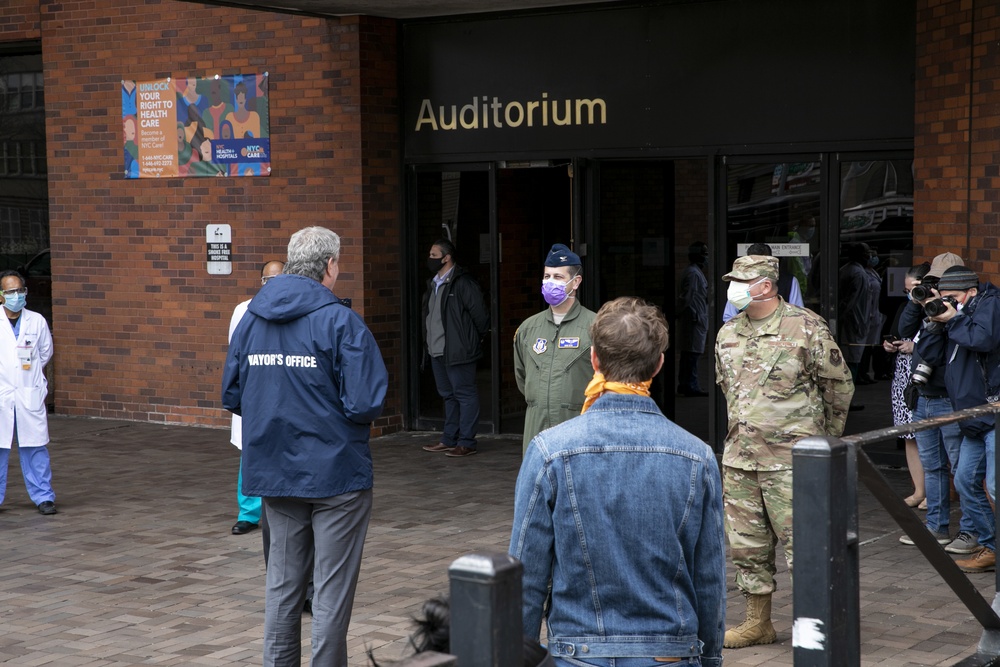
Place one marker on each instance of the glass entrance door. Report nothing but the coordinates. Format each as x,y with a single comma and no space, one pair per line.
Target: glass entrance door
503,219
645,218
778,203
830,219
875,213
534,212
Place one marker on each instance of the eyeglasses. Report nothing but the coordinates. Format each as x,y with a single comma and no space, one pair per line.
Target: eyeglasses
12,292
264,279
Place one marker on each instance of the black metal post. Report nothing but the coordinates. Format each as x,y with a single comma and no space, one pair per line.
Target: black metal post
826,596
486,624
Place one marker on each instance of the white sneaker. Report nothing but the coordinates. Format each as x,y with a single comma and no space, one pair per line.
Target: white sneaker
942,538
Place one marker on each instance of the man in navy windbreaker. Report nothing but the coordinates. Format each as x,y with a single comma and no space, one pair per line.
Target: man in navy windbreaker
965,340
307,377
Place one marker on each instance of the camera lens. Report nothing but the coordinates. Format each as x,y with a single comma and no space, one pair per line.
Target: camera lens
920,292
922,374
937,306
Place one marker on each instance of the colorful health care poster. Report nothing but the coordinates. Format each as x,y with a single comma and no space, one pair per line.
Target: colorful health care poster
190,126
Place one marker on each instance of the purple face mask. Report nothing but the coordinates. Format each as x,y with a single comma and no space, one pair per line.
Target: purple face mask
554,292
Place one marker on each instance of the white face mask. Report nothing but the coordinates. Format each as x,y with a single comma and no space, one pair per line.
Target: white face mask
739,295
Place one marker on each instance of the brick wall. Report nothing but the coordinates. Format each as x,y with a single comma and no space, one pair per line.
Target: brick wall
139,326
381,202
19,20
957,145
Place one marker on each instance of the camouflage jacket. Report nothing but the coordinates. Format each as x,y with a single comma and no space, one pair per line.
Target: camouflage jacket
783,382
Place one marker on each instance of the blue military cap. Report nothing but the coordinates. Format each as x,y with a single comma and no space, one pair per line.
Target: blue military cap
560,255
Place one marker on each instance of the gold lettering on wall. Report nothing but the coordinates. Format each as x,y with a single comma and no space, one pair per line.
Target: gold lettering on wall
492,112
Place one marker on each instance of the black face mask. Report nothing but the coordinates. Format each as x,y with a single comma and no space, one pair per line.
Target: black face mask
434,264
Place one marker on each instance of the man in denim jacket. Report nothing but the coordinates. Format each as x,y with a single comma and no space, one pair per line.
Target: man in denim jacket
621,510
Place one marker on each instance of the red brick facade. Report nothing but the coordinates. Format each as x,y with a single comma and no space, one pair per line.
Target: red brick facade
139,325
957,143
19,20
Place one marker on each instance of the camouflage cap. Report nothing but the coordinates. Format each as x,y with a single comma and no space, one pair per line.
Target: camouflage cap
750,267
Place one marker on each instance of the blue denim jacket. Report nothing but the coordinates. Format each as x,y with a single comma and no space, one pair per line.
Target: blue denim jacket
622,510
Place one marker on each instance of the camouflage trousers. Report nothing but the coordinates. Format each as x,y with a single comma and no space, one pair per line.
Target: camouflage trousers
758,507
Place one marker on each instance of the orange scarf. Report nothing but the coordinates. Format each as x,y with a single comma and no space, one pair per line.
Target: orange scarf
598,387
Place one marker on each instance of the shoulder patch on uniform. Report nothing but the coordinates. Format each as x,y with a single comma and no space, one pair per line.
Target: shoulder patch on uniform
835,357
540,345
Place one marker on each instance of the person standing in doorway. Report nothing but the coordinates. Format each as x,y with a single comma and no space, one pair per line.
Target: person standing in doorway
250,506
858,308
784,379
308,378
692,316
25,348
552,349
455,321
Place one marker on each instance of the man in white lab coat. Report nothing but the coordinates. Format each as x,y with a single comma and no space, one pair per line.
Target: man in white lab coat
25,348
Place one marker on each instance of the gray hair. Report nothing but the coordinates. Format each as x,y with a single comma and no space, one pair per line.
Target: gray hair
308,252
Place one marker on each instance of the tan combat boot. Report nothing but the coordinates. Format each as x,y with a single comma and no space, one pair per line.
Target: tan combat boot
757,628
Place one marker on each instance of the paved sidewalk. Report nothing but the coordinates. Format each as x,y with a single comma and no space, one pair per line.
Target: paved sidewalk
139,567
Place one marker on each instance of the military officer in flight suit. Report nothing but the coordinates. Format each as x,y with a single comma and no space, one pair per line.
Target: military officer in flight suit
552,348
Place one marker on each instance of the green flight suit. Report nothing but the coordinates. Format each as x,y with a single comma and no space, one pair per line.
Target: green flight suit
552,367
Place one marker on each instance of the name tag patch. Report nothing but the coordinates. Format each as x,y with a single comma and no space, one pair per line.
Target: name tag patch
569,343
540,345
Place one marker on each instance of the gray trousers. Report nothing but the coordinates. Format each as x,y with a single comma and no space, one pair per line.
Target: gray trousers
323,537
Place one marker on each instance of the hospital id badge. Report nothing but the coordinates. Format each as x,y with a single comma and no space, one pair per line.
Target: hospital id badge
24,355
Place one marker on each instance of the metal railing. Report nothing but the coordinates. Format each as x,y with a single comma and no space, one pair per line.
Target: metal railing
826,594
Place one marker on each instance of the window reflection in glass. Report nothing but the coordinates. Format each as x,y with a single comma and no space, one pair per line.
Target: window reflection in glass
778,204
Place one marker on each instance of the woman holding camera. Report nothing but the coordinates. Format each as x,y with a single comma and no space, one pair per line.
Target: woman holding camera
902,347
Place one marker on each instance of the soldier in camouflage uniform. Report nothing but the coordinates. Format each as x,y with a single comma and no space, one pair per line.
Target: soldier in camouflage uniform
784,378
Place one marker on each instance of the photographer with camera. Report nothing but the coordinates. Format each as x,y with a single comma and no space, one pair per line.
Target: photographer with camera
963,336
927,397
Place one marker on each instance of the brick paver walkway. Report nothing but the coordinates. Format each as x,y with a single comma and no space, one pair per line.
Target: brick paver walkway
139,567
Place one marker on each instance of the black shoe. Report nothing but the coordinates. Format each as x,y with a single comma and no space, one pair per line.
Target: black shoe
48,507
243,527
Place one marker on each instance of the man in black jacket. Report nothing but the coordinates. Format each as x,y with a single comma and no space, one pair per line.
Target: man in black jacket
455,321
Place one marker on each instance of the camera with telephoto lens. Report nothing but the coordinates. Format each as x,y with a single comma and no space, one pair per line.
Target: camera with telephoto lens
922,374
921,292
937,306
